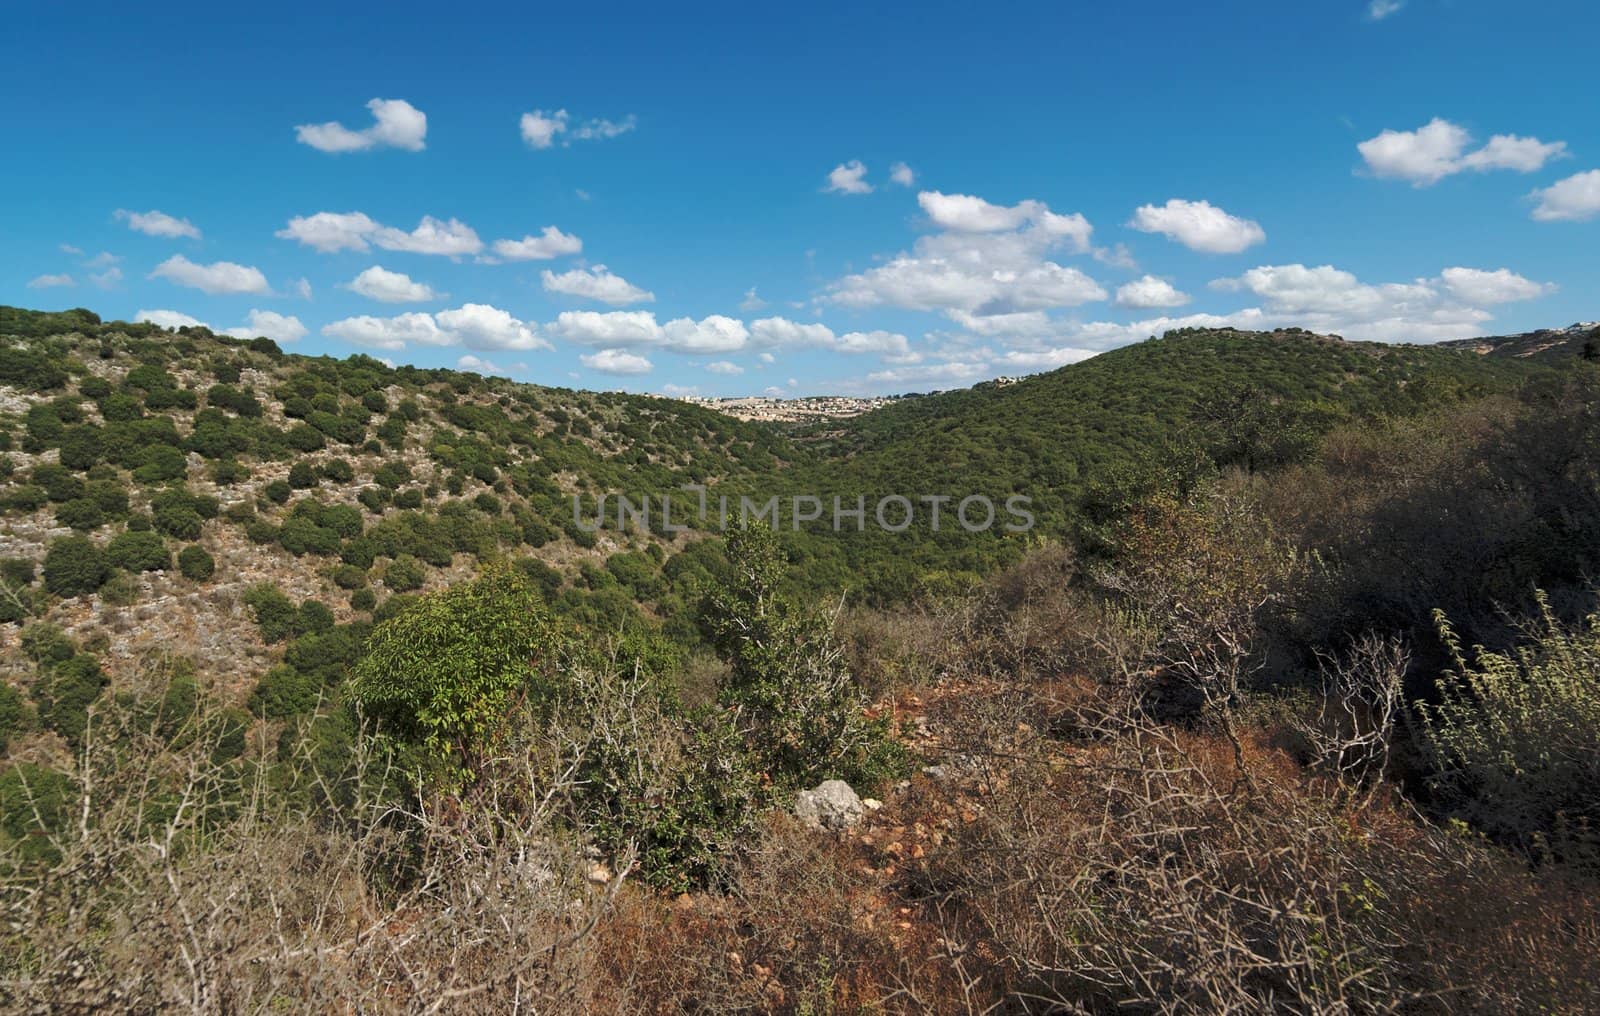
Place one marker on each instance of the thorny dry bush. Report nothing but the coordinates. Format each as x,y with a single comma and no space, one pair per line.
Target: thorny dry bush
184,883
1136,873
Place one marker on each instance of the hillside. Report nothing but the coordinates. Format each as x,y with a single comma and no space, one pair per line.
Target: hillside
1089,430
186,470
1548,344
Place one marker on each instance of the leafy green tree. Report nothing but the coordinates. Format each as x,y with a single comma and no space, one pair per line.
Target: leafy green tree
447,673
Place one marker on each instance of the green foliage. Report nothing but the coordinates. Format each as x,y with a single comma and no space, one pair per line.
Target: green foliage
74,566
275,613
81,514
284,691
65,694
195,563
180,514
1514,739
161,463
404,574
14,716
278,491
795,702
35,803
302,475
139,552
363,599
445,673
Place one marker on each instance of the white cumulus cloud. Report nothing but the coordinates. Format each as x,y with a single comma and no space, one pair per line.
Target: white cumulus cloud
724,367
1150,291
1483,288
1575,199
378,283
275,326
473,325
1198,225
989,259
50,281
902,174
218,277
328,232
154,223
616,361
1438,149
168,319
597,283
541,129
396,124
551,243
848,178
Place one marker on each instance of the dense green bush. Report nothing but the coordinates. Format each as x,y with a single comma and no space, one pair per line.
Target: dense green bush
348,576
66,693
14,716
275,613
195,564
363,599
446,672
1515,737
81,447
81,514
799,710
338,470
74,565
404,574
161,463
302,475
139,552
284,691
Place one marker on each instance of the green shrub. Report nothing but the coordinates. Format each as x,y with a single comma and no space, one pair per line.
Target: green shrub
302,438
82,514
74,566
160,464
58,482
404,574
65,696
227,472
176,514
80,447
283,692
275,613
14,717
35,803
1515,737
110,496
363,599
25,497
338,470
445,673
799,710
18,571
348,576
121,590
302,475
300,535
314,617
278,491
195,564
46,644
139,552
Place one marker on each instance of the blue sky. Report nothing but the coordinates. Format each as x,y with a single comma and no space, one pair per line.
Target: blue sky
440,185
